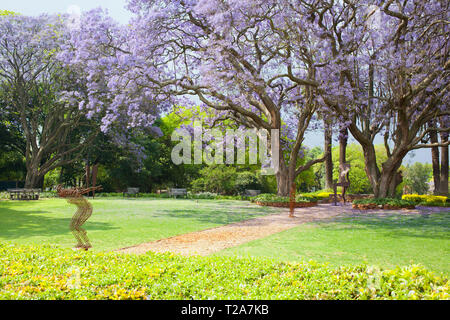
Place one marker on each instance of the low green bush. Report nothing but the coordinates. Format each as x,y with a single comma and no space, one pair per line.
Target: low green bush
435,204
268,197
385,201
49,272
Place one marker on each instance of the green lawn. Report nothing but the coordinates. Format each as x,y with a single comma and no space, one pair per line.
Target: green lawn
384,242
117,223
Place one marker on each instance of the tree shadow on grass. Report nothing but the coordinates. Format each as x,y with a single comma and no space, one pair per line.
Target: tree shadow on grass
431,226
19,223
220,215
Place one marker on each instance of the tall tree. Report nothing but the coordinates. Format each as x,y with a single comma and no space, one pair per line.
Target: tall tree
443,190
33,86
383,68
328,145
435,158
231,56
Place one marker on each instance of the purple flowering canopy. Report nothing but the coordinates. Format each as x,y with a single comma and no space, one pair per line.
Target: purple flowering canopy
38,94
374,66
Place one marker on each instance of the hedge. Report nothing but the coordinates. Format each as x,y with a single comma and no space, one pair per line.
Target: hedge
268,197
49,272
427,200
385,203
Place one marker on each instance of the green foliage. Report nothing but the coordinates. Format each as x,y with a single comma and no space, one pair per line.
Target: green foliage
268,197
7,13
216,178
246,181
48,272
385,201
359,183
416,176
12,166
51,178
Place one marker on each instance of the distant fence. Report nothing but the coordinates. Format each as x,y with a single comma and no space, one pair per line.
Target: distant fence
4,185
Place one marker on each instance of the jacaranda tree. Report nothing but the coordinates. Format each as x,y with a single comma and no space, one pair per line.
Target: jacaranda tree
377,67
230,55
34,92
382,68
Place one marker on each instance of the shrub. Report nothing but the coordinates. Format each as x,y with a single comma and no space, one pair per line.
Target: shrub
268,197
246,181
49,272
385,201
424,199
202,195
322,194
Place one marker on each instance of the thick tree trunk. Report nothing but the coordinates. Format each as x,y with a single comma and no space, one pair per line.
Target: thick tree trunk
443,189
32,179
328,135
435,159
390,177
372,171
284,177
343,138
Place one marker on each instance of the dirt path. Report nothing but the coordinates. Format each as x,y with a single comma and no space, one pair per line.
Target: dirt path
208,241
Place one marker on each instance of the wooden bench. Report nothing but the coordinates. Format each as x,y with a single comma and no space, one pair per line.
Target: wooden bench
131,192
178,192
24,194
252,193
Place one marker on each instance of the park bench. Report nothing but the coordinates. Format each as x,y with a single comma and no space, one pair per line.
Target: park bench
252,193
131,192
24,194
178,192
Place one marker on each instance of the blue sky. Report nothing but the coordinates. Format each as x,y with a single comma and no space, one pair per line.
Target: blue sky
116,9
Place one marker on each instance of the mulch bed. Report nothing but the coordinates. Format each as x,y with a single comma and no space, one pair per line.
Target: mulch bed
372,206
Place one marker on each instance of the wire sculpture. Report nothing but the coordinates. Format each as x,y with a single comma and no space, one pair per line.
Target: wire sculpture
344,181
83,213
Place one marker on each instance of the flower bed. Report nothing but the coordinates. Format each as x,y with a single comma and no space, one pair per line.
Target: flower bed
49,273
427,200
382,203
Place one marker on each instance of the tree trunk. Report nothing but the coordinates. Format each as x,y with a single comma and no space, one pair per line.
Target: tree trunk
284,180
443,189
372,171
94,177
343,138
61,175
329,160
435,159
32,179
88,174
390,177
